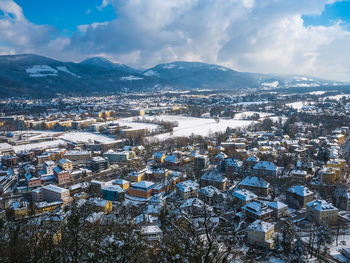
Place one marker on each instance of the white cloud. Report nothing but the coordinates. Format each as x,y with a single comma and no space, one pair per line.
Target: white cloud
247,35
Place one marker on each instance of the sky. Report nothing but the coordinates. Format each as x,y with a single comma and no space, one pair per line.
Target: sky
309,37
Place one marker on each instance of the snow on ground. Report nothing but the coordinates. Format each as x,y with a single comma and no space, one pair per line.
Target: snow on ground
150,73
305,85
273,84
250,103
247,114
41,71
130,78
47,144
317,92
197,126
85,137
338,97
64,69
298,105
136,125
61,139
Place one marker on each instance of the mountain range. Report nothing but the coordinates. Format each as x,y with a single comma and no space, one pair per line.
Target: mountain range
39,76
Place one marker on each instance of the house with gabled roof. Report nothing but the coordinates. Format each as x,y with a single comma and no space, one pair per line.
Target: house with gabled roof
260,233
211,177
265,168
255,184
187,189
298,196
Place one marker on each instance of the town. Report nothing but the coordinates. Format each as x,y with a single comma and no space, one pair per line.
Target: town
176,176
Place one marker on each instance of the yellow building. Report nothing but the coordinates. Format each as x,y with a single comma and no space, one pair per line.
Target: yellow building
66,164
48,125
330,175
260,233
321,212
135,176
45,207
104,206
123,184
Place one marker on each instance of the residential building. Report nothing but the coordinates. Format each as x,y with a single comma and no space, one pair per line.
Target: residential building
255,184
211,177
321,212
187,189
256,210
260,233
298,196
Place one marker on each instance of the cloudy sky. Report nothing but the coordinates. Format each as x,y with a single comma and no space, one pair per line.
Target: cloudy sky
269,36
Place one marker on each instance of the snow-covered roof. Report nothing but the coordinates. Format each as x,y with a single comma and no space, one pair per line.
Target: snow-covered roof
187,186
244,194
300,190
211,175
257,208
260,226
277,205
113,188
321,205
143,185
265,165
254,181
209,191
55,188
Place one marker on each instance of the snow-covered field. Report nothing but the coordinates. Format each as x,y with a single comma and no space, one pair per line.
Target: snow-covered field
197,126
298,105
62,139
338,97
246,114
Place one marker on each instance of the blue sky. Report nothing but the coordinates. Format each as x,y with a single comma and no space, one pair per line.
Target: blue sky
332,12
66,15
269,36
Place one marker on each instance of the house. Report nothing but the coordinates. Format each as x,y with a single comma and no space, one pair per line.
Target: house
260,233
209,194
151,233
244,196
159,157
124,184
142,189
201,162
264,168
342,198
256,210
231,166
62,176
211,177
171,161
187,189
136,176
65,164
49,166
329,174
321,212
255,184
104,206
298,196
299,175
251,161
279,209
113,193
